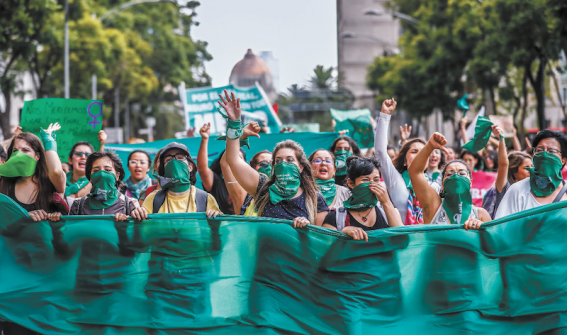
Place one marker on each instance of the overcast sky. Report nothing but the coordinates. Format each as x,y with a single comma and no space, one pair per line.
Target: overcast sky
300,33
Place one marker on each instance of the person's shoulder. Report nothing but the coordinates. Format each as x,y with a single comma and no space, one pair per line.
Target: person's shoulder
76,204
522,186
149,201
343,190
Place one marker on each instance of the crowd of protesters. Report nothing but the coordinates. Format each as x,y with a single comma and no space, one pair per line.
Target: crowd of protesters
416,181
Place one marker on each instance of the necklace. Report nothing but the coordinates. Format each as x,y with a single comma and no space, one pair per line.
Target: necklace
188,201
365,217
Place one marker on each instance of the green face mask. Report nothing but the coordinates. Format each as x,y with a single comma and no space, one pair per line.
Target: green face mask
328,189
458,199
72,188
266,169
361,199
545,176
19,165
176,176
288,179
104,192
340,162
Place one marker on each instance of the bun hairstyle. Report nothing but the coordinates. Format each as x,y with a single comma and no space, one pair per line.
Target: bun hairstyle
361,166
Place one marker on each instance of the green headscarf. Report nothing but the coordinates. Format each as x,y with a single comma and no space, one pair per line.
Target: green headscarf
328,189
177,177
288,179
482,132
104,192
362,198
340,161
19,165
72,188
458,199
545,176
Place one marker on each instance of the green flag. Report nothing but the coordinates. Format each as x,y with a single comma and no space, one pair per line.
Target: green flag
80,120
185,274
358,123
482,132
463,105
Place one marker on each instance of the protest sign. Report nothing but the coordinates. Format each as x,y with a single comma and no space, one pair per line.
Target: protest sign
481,183
201,105
186,274
80,120
358,123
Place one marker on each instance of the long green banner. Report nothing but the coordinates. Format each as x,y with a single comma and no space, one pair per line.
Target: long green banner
184,274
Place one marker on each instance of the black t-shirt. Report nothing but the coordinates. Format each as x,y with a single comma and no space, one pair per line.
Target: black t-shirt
288,209
381,223
219,191
27,207
340,180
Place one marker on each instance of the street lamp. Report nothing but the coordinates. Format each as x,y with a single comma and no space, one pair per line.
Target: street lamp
395,14
348,34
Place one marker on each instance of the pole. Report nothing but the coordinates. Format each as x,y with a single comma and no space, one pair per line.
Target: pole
94,86
66,65
127,121
116,108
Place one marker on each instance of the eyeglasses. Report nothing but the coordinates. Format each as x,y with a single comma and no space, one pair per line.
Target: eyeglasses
462,172
80,154
262,163
134,162
179,157
319,161
539,150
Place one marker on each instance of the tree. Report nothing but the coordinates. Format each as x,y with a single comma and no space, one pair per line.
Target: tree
323,78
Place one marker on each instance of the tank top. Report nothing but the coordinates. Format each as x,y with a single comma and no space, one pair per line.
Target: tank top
440,216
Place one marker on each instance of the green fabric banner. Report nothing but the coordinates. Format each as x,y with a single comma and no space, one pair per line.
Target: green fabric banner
358,123
182,273
309,141
80,120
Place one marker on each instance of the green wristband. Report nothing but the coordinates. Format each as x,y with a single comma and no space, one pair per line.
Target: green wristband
233,129
48,140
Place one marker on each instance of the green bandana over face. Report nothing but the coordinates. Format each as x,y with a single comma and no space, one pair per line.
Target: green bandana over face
482,133
361,199
19,165
458,199
287,182
328,189
340,161
177,177
545,176
104,192
73,188
266,169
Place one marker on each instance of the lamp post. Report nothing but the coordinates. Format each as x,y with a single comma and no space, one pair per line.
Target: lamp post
395,14
66,51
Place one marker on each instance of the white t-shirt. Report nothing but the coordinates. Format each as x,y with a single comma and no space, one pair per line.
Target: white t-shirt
518,198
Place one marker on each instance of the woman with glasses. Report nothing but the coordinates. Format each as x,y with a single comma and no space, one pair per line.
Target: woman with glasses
139,164
177,175
545,184
454,205
155,186
77,184
323,167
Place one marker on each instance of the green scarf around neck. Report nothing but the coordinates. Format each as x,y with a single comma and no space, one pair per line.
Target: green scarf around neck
328,189
72,188
546,175
362,198
340,162
104,193
288,179
19,165
458,199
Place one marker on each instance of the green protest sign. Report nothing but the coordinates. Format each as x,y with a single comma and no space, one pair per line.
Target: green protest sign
80,120
358,123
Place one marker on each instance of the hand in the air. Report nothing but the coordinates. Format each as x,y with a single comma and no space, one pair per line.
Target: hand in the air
102,137
388,106
251,129
497,131
405,133
464,123
205,131
438,141
356,233
231,105
53,127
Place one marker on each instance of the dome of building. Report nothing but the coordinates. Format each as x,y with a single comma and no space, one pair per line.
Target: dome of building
251,70
250,65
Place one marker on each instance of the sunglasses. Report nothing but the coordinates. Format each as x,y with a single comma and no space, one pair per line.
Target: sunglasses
80,154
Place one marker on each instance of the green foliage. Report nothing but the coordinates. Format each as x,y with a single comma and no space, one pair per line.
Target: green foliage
323,78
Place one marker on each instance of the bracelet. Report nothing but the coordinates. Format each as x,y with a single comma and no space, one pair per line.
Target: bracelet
48,140
232,182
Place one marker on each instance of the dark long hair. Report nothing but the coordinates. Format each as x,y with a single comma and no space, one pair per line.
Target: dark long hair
78,144
112,157
255,159
353,145
45,188
141,152
400,159
307,182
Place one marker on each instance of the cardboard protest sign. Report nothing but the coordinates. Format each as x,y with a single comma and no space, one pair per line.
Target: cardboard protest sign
80,120
506,122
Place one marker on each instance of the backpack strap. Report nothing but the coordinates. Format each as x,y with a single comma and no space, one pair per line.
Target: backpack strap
126,204
159,199
561,193
201,200
81,204
342,217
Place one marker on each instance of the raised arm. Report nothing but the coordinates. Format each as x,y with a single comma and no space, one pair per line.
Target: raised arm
392,178
246,176
102,137
54,168
236,192
516,140
502,176
427,196
206,174
463,130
